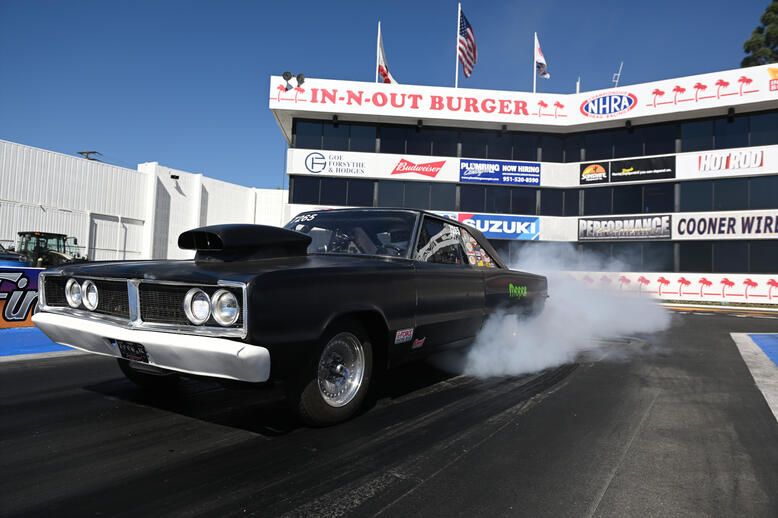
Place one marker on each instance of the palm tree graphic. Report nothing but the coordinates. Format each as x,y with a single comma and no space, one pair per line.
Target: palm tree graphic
281,89
749,284
657,93
719,85
773,284
683,283
704,283
557,106
662,282
541,105
298,90
643,282
622,281
726,284
678,90
743,80
698,88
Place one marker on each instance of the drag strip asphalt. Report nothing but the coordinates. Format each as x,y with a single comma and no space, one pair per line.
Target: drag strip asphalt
674,427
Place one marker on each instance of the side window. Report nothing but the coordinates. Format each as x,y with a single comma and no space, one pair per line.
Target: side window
440,243
476,255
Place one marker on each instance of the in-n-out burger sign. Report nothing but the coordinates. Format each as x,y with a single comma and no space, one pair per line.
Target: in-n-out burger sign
746,159
449,103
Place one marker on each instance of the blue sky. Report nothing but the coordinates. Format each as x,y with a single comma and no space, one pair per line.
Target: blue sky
186,83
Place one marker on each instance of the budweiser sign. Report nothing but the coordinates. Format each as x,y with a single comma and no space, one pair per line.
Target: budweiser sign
430,169
741,159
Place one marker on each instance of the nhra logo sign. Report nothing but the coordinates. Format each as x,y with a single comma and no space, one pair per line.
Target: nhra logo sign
607,105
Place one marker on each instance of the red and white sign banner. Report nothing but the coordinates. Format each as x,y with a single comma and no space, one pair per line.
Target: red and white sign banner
688,287
725,89
751,224
728,162
372,165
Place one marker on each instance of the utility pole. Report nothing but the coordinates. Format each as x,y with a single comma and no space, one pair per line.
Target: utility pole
86,154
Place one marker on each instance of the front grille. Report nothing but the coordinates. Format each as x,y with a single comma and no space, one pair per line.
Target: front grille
164,303
112,295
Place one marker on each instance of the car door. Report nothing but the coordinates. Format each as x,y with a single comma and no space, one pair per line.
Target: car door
450,291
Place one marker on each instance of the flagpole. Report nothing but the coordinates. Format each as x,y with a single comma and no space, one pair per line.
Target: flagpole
456,54
377,47
534,65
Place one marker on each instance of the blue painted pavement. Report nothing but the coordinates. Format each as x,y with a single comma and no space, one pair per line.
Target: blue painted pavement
26,340
769,344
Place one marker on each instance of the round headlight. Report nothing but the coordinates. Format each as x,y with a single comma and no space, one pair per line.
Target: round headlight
197,306
89,295
73,293
225,307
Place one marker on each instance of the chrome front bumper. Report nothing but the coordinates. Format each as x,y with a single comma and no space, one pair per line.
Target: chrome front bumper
191,354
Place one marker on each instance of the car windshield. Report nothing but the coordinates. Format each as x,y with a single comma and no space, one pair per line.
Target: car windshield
385,233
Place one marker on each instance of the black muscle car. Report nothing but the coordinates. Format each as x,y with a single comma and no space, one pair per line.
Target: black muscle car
318,305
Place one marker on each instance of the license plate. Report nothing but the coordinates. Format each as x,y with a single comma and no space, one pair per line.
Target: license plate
132,351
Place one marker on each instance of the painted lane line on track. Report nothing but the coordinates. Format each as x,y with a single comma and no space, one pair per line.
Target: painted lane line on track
41,356
763,370
596,504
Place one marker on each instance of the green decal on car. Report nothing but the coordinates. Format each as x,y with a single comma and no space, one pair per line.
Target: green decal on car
517,291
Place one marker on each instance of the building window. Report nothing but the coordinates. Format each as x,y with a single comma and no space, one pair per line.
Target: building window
307,134
444,142
764,129
360,193
525,146
763,192
628,142
524,201
658,197
695,257
697,135
628,199
762,257
417,195
471,198
730,257
393,139
571,202
551,202
573,148
597,201
627,256
419,141
696,196
443,196
363,138
498,199
498,146
390,193
658,257
474,144
730,194
333,191
336,136
305,190
732,133
551,148
599,145
659,139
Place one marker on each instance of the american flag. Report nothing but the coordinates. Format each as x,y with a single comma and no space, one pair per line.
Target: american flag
466,50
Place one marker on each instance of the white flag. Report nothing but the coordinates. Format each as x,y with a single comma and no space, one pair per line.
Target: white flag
383,68
540,61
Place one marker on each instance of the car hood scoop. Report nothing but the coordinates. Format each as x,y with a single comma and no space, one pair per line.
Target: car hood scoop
243,242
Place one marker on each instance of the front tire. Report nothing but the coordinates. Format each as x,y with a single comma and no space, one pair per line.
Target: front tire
155,381
333,385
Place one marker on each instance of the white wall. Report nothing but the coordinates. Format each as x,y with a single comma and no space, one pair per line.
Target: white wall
119,213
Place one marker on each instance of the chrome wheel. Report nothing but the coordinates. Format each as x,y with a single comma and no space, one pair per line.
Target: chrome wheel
341,369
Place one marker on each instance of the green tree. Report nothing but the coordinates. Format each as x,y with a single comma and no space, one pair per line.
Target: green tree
762,46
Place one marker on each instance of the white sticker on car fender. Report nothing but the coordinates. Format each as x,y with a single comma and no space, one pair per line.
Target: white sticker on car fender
403,335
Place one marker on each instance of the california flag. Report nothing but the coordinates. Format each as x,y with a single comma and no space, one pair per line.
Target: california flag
540,61
383,68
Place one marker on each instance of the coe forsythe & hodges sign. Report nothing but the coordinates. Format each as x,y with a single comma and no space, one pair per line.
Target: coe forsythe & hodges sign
625,228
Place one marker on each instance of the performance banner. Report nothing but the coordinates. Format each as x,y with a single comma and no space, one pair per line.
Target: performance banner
18,296
625,228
